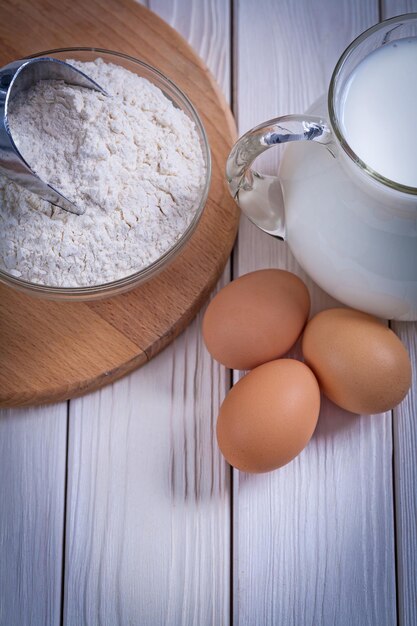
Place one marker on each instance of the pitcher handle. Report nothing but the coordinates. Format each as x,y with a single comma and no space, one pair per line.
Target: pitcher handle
260,196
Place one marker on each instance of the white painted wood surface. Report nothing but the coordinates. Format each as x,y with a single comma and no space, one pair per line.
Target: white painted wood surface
389,8
405,445
148,504
32,480
314,541
148,531
405,448
149,507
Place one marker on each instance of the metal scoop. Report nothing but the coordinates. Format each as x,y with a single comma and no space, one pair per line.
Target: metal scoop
14,78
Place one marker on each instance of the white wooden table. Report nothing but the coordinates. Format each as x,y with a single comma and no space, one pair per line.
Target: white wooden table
117,509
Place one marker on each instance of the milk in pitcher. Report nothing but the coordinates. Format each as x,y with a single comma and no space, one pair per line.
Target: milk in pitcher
355,226
378,111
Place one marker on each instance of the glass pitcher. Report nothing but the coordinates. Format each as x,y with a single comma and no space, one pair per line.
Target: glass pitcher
352,230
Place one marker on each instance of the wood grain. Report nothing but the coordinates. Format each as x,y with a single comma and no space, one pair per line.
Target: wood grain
314,541
147,318
405,449
148,532
405,444
390,8
68,349
148,509
32,470
206,26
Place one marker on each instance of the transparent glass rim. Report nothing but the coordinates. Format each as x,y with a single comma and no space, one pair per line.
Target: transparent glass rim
123,284
332,103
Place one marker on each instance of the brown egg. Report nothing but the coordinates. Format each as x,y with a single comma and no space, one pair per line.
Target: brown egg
360,364
269,416
256,318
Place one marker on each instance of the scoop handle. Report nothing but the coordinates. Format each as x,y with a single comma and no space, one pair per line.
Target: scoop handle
14,78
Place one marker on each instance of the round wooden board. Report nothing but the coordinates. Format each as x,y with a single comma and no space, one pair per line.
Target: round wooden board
52,351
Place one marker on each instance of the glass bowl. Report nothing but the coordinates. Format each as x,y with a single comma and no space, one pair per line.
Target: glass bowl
180,100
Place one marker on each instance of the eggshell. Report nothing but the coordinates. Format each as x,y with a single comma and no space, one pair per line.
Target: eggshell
360,364
269,416
256,318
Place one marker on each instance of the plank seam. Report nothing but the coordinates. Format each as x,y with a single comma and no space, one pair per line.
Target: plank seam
233,102
396,527
64,525
381,11
394,477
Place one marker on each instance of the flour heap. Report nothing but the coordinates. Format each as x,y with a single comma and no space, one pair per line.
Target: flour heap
133,160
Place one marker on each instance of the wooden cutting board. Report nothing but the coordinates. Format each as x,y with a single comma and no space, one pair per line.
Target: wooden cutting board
52,351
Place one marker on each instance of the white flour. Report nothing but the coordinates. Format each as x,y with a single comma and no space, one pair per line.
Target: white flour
133,159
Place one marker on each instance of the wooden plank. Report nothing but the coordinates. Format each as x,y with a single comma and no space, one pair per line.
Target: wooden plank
206,27
314,541
148,530
389,8
405,485
148,509
32,470
405,444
